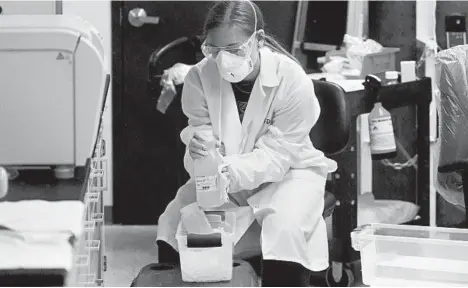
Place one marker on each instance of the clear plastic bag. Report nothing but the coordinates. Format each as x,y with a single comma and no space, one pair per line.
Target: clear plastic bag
171,77
168,94
452,103
357,48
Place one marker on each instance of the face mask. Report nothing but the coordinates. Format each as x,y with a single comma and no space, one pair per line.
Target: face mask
234,68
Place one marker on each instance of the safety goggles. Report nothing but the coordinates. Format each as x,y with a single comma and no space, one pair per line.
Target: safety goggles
242,50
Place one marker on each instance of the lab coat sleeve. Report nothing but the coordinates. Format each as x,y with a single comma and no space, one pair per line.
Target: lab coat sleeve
276,151
195,107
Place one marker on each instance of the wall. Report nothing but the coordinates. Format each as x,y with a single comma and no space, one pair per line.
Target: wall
280,17
393,24
98,13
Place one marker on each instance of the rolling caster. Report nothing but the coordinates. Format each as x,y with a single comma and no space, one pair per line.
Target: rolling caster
338,275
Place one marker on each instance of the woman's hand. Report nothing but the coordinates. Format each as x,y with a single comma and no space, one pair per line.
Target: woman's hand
197,147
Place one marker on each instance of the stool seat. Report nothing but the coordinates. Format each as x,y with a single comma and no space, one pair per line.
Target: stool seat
329,205
168,275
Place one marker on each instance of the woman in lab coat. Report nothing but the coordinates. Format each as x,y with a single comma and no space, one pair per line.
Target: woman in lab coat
251,94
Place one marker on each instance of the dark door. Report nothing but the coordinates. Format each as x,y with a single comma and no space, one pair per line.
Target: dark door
147,149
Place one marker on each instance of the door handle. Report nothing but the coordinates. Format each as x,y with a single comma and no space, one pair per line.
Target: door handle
137,18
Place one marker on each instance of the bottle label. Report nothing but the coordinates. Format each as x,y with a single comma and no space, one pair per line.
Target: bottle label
206,183
381,134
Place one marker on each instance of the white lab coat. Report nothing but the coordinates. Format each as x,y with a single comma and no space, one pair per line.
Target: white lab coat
277,176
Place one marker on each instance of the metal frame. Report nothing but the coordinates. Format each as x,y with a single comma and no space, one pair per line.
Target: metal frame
426,33
345,183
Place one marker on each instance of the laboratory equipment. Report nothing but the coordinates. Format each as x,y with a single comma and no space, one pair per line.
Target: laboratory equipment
209,191
382,138
54,81
356,170
391,77
405,255
455,30
57,242
408,71
216,250
54,91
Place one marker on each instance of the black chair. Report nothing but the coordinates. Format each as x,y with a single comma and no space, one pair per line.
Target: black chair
331,135
331,132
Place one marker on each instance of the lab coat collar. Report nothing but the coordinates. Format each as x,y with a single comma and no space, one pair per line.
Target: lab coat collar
268,68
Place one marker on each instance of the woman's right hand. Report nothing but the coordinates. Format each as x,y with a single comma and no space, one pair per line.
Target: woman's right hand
197,147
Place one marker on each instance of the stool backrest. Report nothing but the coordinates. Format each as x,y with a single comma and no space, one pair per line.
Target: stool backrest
331,132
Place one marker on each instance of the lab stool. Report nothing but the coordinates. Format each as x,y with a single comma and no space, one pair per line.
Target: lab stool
169,275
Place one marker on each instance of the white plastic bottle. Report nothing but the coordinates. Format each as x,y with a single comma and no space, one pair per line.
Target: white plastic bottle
382,137
381,133
206,178
391,77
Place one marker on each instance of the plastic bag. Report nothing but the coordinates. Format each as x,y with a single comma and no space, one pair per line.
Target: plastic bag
357,48
335,65
384,211
171,77
194,220
350,60
452,102
168,94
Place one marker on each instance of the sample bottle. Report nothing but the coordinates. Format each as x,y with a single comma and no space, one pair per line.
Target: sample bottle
382,137
206,178
391,77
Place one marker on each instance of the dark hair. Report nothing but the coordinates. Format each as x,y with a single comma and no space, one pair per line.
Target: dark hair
241,14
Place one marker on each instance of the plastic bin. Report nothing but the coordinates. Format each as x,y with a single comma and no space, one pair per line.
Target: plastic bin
374,63
213,262
403,255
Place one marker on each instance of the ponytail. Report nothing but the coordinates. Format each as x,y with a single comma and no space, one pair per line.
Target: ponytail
274,45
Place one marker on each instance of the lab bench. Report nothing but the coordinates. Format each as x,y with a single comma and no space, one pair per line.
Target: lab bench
72,216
